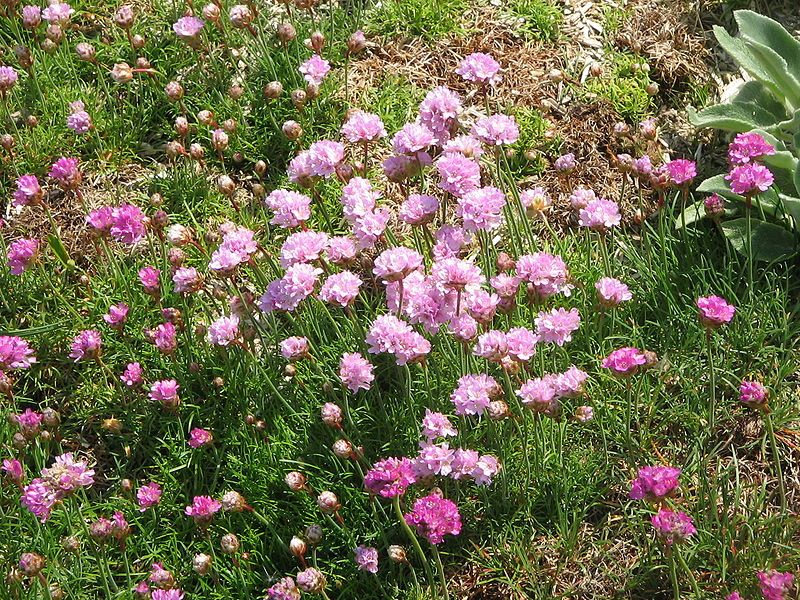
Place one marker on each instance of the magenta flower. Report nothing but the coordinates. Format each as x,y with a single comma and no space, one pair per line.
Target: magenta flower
715,311
29,422
557,325
546,274
148,495
624,361
390,477
356,372
294,348
673,527
474,393
79,120
28,191
363,127
749,179
570,383
167,594
464,463
479,67
21,255
187,280
434,517
133,375
224,331
367,559
655,483
315,69
86,345
396,263
13,470
485,469
481,209
283,589
8,79
458,174
367,230
681,171
166,392
496,130
39,498
202,509
66,474
148,277
15,353
200,437
612,292
747,147
164,337
303,247
775,585
117,315
436,425
66,172
753,393
433,460
128,224
439,112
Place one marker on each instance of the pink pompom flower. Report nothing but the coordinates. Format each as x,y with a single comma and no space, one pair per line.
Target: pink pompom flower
749,179
474,394
202,509
28,191
315,69
715,311
86,345
22,253
600,215
199,438
753,393
655,483
363,128
390,477
434,517
775,585
117,315
624,361
612,292
295,348
66,172
681,171
148,495
356,372
673,527
496,130
557,325
747,147
367,559
481,209
479,67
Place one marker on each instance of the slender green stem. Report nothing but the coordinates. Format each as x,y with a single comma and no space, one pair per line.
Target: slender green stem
712,420
776,457
673,575
440,567
689,573
414,541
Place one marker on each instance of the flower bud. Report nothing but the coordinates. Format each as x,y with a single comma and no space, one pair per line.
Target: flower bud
24,56
71,543
299,98
498,410
260,168
50,417
584,414
126,485
236,91
181,126
331,415
297,547
156,200
206,117
218,382
229,125
292,130
31,564
138,42
174,148
174,91
112,425
233,501
651,89
555,76
312,91
176,257
201,563
241,16
596,69
356,42
55,33
328,502
219,140
343,449
7,142
124,16
311,581
317,41
397,554
211,12
18,441
229,543
314,534
273,90
295,480
122,73
49,46
714,206
225,185
197,152
505,262
286,33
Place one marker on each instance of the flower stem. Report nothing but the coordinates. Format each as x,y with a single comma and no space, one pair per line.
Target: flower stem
413,538
713,404
776,457
440,567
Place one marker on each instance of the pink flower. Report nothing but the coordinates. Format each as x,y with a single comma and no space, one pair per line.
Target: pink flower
434,517
396,263
164,338
492,346
546,274
86,345
224,331
28,190
294,348
412,139
581,196
457,275
558,325
200,437
439,113
57,12
202,509
681,171
340,250
117,315
283,589
188,28
101,219
752,392
39,498
474,393
536,201
418,209
31,16
390,477
749,179
8,79
485,469
166,392
13,470
363,127
132,376
187,280
290,208
238,245
303,247
29,421
612,292
65,171
324,156
67,474
148,495
436,425
747,147
624,361
449,242
315,69
464,463
479,67
775,585
170,594
433,460
655,483
565,163
465,145
521,343
340,288
570,383
481,305
79,120
358,199
496,130
367,559
673,527
600,215
356,372
715,311
15,353
148,277
458,174
21,255
384,333
367,230
481,209
538,394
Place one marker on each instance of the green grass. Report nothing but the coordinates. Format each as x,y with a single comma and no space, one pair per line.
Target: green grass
622,86
541,19
417,18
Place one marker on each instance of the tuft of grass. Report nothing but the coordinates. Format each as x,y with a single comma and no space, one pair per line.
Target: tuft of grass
540,19
394,99
418,18
533,145
623,86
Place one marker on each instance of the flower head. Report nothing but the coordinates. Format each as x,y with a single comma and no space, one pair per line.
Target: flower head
363,127
753,393
458,174
747,147
496,130
15,353
188,28
202,509
315,69
600,215
356,372
624,361
481,209
655,483
612,292
21,255
66,172
390,477
474,393
673,527
199,438
148,495
774,584
681,171
434,517
479,67
367,559
28,190
436,425
86,345
749,179
715,311
557,325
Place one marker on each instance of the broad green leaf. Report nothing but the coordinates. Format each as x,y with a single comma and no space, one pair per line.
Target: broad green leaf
763,30
691,214
770,242
755,92
738,118
59,250
718,185
797,179
792,206
745,59
776,66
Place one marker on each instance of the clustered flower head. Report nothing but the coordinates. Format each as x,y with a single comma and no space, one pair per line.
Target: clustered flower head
753,393
15,353
655,483
715,311
748,147
367,559
775,585
673,527
625,361
356,372
749,179
479,67
390,477
434,517
62,479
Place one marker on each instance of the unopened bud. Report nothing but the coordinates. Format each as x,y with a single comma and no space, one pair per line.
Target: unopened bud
295,481
397,554
343,449
229,543
206,117
299,98
292,130
297,547
201,563
174,91
138,42
286,33
226,185
328,502
356,42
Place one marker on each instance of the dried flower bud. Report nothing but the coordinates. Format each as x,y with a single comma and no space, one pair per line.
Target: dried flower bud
286,33
174,91
397,554
292,130
71,543
312,91
55,33
126,485
273,90
498,410
229,125
241,16
50,417
137,41
112,425
225,185
596,69
356,42
331,415
343,449
297,547
7,142
24,56
197,152
314,534
317,41
218,382
49,46
176,257
201,563
31,564
211,12
122,73
652,88
236,91
555,76
229,543
174,148
258,190
18,441
233,501
260,168
505,262
295,481
31,121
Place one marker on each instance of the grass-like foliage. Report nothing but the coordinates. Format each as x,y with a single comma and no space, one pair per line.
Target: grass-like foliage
263,334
